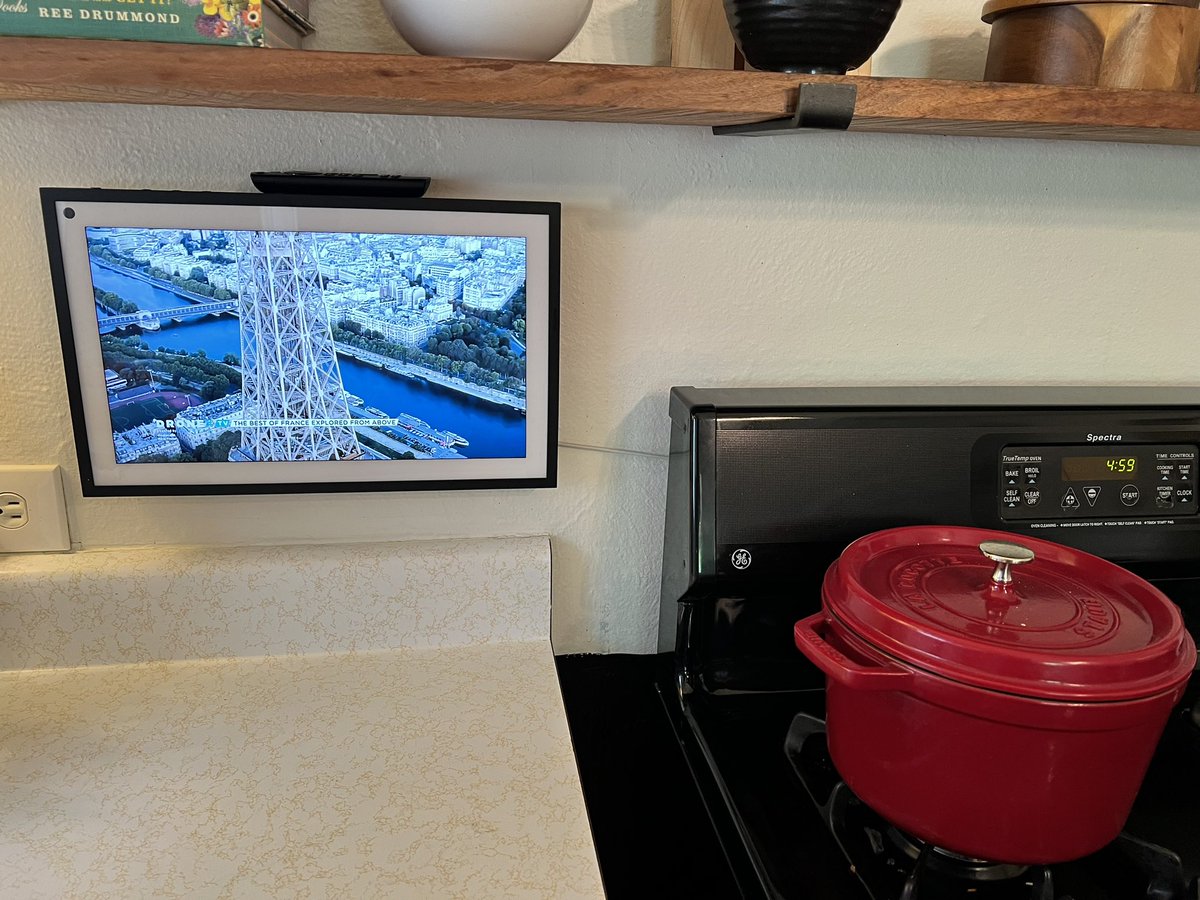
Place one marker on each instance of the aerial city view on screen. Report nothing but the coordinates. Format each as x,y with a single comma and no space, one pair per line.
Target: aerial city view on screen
248,346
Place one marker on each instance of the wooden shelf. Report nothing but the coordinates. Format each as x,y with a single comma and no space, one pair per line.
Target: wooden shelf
223,77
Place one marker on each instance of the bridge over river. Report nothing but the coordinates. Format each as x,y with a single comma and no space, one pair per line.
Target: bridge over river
144,317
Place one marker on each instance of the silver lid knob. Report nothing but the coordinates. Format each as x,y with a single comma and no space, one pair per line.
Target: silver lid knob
1005,555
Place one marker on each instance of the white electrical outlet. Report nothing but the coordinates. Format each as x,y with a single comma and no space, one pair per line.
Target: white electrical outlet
33,510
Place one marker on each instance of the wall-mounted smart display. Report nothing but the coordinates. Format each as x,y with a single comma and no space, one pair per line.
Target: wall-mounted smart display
242,343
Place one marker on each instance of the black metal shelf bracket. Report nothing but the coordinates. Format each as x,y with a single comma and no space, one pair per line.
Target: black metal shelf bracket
819,107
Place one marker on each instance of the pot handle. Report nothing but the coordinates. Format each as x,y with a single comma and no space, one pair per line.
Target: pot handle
841,668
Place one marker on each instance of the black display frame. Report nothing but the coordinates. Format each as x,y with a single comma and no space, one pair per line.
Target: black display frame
83,436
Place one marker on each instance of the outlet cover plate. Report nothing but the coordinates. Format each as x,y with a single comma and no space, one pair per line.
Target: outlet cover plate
41,488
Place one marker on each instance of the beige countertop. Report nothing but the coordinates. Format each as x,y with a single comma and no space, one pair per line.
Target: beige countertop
346,721
419,772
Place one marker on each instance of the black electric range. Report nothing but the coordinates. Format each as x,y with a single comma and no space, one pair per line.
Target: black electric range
722,778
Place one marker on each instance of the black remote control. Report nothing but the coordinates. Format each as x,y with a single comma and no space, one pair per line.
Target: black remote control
340,184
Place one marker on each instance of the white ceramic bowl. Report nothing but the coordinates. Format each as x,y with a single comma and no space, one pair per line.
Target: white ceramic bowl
492,29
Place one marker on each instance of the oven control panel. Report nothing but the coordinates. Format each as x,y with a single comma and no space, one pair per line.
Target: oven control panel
1089,482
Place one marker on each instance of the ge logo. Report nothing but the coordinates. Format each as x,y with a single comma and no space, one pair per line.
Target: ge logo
741,559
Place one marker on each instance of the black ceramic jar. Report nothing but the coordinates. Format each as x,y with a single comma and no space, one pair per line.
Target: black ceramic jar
825,37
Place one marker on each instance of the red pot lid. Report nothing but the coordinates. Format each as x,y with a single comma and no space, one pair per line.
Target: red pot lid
1069,625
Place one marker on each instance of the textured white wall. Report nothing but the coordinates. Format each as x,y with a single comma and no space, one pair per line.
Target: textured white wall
688,259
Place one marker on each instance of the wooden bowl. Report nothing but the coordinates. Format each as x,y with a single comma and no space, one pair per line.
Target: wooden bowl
1153,45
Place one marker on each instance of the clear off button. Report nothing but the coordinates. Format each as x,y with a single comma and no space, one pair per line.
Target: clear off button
1130,495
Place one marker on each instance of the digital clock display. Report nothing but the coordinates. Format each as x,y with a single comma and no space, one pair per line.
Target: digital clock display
1099,468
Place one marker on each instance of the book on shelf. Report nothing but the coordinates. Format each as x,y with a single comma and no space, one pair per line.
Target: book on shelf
251,23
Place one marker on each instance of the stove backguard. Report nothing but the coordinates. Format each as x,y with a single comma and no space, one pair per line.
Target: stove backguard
766,487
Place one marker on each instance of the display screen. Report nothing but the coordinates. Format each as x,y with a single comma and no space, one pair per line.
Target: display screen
1099,468
256,344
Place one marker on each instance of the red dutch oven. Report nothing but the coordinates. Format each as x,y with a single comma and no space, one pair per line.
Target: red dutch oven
1002,713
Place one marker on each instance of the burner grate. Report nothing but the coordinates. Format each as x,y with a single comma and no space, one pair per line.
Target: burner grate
1041,884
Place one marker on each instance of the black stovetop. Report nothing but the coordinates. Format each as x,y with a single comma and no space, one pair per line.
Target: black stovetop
662,824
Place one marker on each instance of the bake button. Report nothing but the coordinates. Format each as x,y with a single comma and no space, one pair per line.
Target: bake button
1070,499
1130,495
1011,476
1033,498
